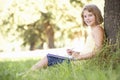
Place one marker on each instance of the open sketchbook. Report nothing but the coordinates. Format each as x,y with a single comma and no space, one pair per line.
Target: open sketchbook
60,52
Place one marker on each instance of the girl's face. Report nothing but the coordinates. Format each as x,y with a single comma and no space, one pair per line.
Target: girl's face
89,18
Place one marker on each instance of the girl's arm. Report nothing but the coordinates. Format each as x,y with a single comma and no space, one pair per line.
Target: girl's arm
98,36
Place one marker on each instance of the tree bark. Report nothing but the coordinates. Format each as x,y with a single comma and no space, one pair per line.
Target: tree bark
50,35
112,20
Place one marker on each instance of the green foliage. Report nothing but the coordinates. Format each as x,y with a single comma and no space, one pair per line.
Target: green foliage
104,66
18,70
28,18
108,56
9,69
79,2
25,19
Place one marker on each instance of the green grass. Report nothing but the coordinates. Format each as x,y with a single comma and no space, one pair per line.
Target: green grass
105,66
80,71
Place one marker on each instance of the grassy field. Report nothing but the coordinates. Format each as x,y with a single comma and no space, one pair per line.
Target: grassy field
101,67
81,71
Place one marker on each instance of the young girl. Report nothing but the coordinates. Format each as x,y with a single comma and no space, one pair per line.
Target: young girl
92,19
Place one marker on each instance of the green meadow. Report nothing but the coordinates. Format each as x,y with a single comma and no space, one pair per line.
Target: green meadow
105,66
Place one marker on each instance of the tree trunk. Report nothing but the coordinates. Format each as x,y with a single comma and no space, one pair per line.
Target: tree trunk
32,45
50,35
112,20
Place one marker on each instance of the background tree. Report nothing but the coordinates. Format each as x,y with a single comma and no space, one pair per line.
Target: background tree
37,24
41,21
112,20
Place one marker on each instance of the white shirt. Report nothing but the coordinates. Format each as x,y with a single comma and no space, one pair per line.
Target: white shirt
83,45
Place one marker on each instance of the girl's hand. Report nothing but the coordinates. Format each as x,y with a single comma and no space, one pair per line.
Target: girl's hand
69,51
75,55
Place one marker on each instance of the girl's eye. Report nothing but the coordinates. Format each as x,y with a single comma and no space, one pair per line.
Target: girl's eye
85,16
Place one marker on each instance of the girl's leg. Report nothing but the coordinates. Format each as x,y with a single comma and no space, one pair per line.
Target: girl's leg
41,64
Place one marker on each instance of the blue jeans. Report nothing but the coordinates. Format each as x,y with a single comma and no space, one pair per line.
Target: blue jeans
55,59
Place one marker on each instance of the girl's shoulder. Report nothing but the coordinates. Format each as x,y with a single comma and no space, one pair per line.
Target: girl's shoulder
99,29
98,32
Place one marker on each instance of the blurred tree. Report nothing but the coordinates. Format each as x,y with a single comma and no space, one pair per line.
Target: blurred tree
79,2
19,13
38,20
112,20
48,27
